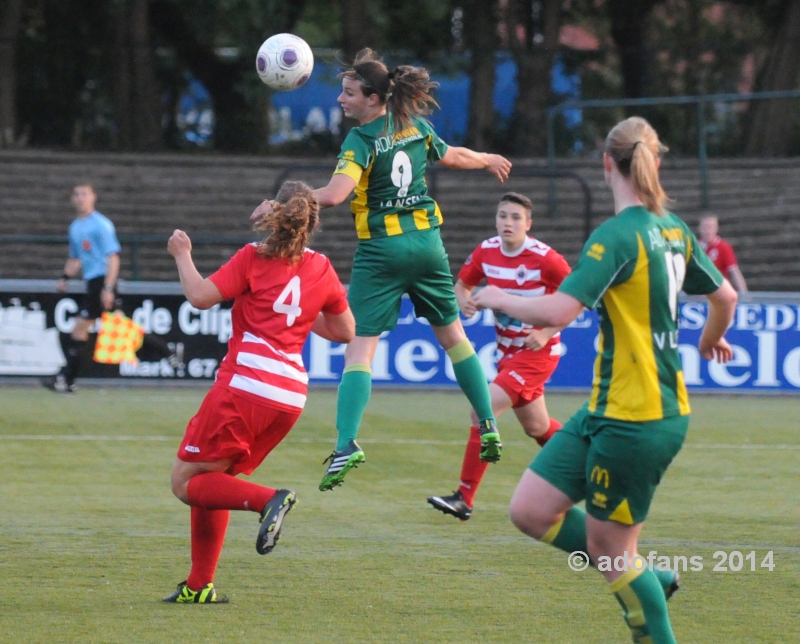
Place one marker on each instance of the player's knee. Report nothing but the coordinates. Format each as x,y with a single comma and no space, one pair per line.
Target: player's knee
526,518
180,487
596,545
536,427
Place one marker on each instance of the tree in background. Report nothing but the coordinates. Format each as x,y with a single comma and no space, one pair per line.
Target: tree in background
629,22
770,120
480,20
10,19
135,92
531,29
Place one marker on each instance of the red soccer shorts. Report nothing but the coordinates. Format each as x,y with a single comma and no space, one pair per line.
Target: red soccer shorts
522,376
231,426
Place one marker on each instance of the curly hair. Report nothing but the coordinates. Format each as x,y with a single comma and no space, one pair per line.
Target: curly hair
294,216
406,90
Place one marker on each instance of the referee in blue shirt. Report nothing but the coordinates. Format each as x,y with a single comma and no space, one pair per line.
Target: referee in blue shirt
93,251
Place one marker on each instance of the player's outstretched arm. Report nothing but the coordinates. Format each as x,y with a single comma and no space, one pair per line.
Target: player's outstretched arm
555,310
721,307
201,293
336,328
466,159
338,189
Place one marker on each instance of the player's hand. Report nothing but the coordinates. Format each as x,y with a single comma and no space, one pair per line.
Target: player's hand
266,207
721,351
107,298
489,297
61,285
179,243
469,308
537,339
499,166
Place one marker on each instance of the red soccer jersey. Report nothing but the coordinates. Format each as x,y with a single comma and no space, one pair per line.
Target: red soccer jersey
275,306
721,253
533,270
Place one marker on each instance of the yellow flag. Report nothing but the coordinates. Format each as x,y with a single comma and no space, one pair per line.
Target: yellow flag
118,340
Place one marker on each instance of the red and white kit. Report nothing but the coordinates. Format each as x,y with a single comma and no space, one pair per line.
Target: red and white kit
276,304
721,253
533,270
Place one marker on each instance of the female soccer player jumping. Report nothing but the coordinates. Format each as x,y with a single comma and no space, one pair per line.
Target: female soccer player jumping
399,251
614,451
282,292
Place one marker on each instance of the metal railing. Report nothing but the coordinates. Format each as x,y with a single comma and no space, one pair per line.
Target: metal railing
702,132
133,242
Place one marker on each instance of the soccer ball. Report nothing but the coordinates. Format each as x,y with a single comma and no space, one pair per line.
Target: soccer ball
284,62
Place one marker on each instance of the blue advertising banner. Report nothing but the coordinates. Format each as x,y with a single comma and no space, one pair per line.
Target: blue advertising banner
765,339
184,343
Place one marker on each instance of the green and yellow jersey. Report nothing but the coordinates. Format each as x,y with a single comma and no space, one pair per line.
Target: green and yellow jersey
389,170
631,270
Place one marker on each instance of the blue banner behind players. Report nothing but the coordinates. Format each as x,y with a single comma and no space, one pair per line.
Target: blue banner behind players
765,337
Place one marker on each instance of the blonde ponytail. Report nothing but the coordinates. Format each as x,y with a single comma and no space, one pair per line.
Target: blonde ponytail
634,146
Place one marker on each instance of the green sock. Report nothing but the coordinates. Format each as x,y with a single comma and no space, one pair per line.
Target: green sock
351,401
665,577
644,607
471,378
569,535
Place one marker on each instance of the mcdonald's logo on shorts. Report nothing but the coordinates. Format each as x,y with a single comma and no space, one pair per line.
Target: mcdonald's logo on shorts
599,476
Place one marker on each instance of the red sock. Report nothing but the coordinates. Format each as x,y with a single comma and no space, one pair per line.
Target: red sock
473,468
220,491
554,427
208,534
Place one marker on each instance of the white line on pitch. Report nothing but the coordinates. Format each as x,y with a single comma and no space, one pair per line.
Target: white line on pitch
366,441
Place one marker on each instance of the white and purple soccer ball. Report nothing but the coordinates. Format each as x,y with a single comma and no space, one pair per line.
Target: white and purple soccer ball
284,62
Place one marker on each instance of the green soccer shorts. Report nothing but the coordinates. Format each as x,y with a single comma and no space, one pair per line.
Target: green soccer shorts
614,465
387,267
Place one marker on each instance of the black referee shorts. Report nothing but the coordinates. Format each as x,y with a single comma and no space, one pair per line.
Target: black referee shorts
92,305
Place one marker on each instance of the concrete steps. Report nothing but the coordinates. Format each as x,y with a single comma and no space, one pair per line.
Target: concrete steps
757,201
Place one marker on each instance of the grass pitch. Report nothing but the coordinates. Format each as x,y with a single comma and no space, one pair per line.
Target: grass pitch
92,537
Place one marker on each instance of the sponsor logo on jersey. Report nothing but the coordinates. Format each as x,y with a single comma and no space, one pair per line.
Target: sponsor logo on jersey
342,164
192,449
86,245
599,500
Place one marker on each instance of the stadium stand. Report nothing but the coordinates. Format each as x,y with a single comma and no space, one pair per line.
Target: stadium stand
757,201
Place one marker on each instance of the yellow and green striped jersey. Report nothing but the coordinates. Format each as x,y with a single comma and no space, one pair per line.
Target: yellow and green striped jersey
389,170
631,270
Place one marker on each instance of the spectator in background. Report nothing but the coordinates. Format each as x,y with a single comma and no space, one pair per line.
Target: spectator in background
720,252
94,252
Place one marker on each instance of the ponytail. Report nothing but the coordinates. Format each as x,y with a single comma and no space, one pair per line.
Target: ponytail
294,216
405,91
634,146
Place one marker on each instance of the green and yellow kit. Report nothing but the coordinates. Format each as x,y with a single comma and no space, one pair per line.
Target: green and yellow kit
618,446
389,170
397,223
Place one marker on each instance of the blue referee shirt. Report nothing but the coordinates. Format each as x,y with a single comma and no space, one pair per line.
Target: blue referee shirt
91,240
